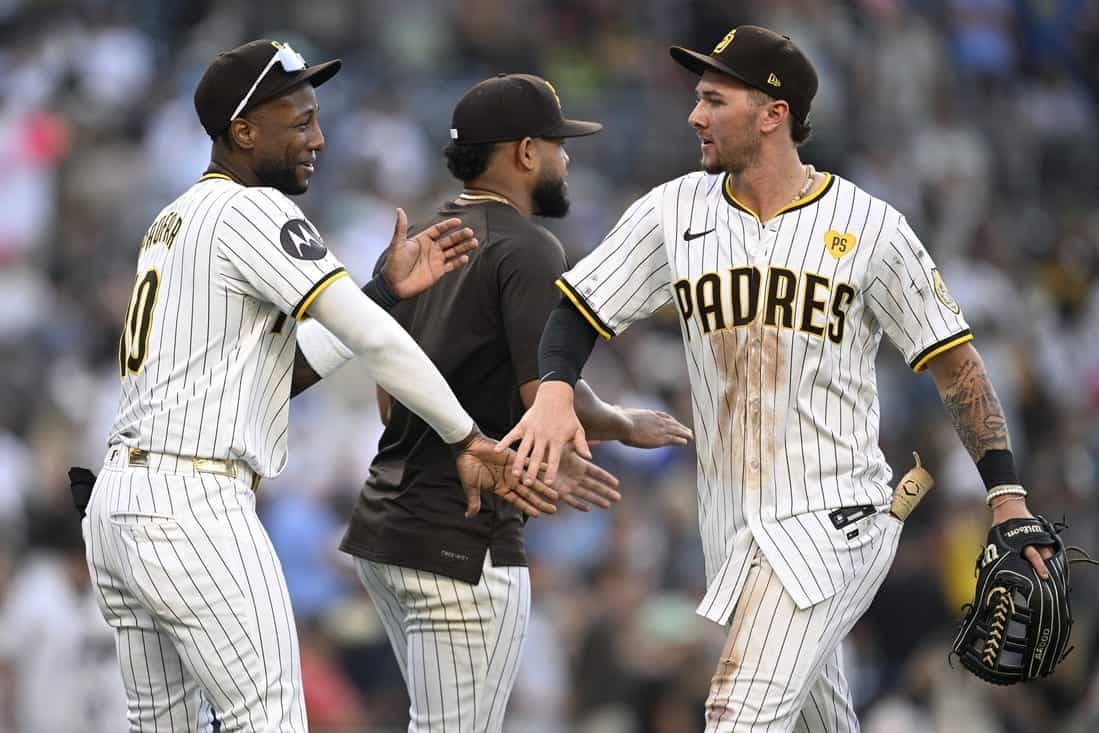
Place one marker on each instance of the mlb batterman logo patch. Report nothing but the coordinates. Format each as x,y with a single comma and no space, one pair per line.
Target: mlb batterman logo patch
942,293
839,243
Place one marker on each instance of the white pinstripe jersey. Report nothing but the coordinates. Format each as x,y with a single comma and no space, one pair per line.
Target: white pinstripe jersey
207,350
781,323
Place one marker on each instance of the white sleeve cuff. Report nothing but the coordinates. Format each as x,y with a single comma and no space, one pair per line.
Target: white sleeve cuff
324,352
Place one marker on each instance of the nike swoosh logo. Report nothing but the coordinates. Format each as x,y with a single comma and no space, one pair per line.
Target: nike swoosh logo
688,235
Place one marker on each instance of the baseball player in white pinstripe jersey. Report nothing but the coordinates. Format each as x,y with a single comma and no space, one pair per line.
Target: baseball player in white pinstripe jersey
785,279
185,572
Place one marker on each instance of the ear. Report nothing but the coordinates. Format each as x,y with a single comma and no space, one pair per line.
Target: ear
775,114
526,155
243,133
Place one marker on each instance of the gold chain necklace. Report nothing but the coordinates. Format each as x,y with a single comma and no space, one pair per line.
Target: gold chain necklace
810,171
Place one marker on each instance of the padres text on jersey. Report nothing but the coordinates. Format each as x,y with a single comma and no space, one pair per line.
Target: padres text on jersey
781,322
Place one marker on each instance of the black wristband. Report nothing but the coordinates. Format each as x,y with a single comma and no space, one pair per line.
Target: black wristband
997,468
381,293
566,344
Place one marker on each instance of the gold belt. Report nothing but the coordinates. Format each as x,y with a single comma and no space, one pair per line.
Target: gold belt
140,458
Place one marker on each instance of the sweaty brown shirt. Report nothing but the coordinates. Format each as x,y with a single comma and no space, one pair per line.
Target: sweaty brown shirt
480,325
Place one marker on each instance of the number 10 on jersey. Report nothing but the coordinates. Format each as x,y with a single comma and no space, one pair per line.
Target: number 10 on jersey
133,344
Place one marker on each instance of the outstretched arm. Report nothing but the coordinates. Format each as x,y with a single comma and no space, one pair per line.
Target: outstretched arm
580,483
403,370
566,410
632,426
551,421
410,266
979,420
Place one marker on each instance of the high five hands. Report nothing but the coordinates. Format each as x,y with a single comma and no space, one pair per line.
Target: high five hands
414,265
551,424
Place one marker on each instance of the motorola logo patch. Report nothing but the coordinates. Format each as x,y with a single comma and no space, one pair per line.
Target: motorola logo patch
301,241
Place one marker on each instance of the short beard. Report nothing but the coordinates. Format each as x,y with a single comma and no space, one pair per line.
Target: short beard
739,160
550,197
280,178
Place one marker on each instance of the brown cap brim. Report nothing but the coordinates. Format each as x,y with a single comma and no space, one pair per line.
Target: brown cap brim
574,128
316,75
700,63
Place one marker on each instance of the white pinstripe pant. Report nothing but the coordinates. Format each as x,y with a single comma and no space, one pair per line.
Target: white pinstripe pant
781,669
458,645
189,580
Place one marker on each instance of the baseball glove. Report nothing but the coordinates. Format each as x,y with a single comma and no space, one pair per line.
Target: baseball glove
1018,626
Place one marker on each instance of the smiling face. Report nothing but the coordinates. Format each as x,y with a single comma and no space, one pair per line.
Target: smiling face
729,123
286,138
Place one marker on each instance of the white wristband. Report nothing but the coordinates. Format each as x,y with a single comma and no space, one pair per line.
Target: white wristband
324,352
1004,490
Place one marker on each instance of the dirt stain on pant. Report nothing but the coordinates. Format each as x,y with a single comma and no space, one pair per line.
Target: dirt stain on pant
720,700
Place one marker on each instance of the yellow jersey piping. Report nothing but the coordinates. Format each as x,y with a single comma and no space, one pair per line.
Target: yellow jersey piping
796,204
307,300
600,328
921,360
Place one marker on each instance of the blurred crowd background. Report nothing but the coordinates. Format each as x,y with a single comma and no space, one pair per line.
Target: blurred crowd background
976,118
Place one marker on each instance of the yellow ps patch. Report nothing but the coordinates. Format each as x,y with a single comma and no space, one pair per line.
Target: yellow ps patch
773,81
942,293
839,243
725,41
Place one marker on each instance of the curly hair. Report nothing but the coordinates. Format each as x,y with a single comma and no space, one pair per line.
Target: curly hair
466,162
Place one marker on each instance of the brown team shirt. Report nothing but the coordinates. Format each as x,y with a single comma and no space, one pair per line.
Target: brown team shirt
480,325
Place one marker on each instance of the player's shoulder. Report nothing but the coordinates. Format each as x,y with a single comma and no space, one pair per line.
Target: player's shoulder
881,216
509,231
252,200
529,248
266,211
881,224
694,177
690,185
543,237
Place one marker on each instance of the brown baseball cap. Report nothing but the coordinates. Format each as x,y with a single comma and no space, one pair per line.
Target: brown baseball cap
512,107
762,59
238,80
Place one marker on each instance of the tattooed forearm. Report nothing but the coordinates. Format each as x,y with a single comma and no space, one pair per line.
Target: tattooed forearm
974,408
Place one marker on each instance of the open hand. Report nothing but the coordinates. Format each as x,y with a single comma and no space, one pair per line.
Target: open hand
414,265
653,429
545,429
580,483
482,466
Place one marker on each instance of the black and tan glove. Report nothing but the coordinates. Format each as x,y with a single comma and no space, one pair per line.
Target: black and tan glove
1018,626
